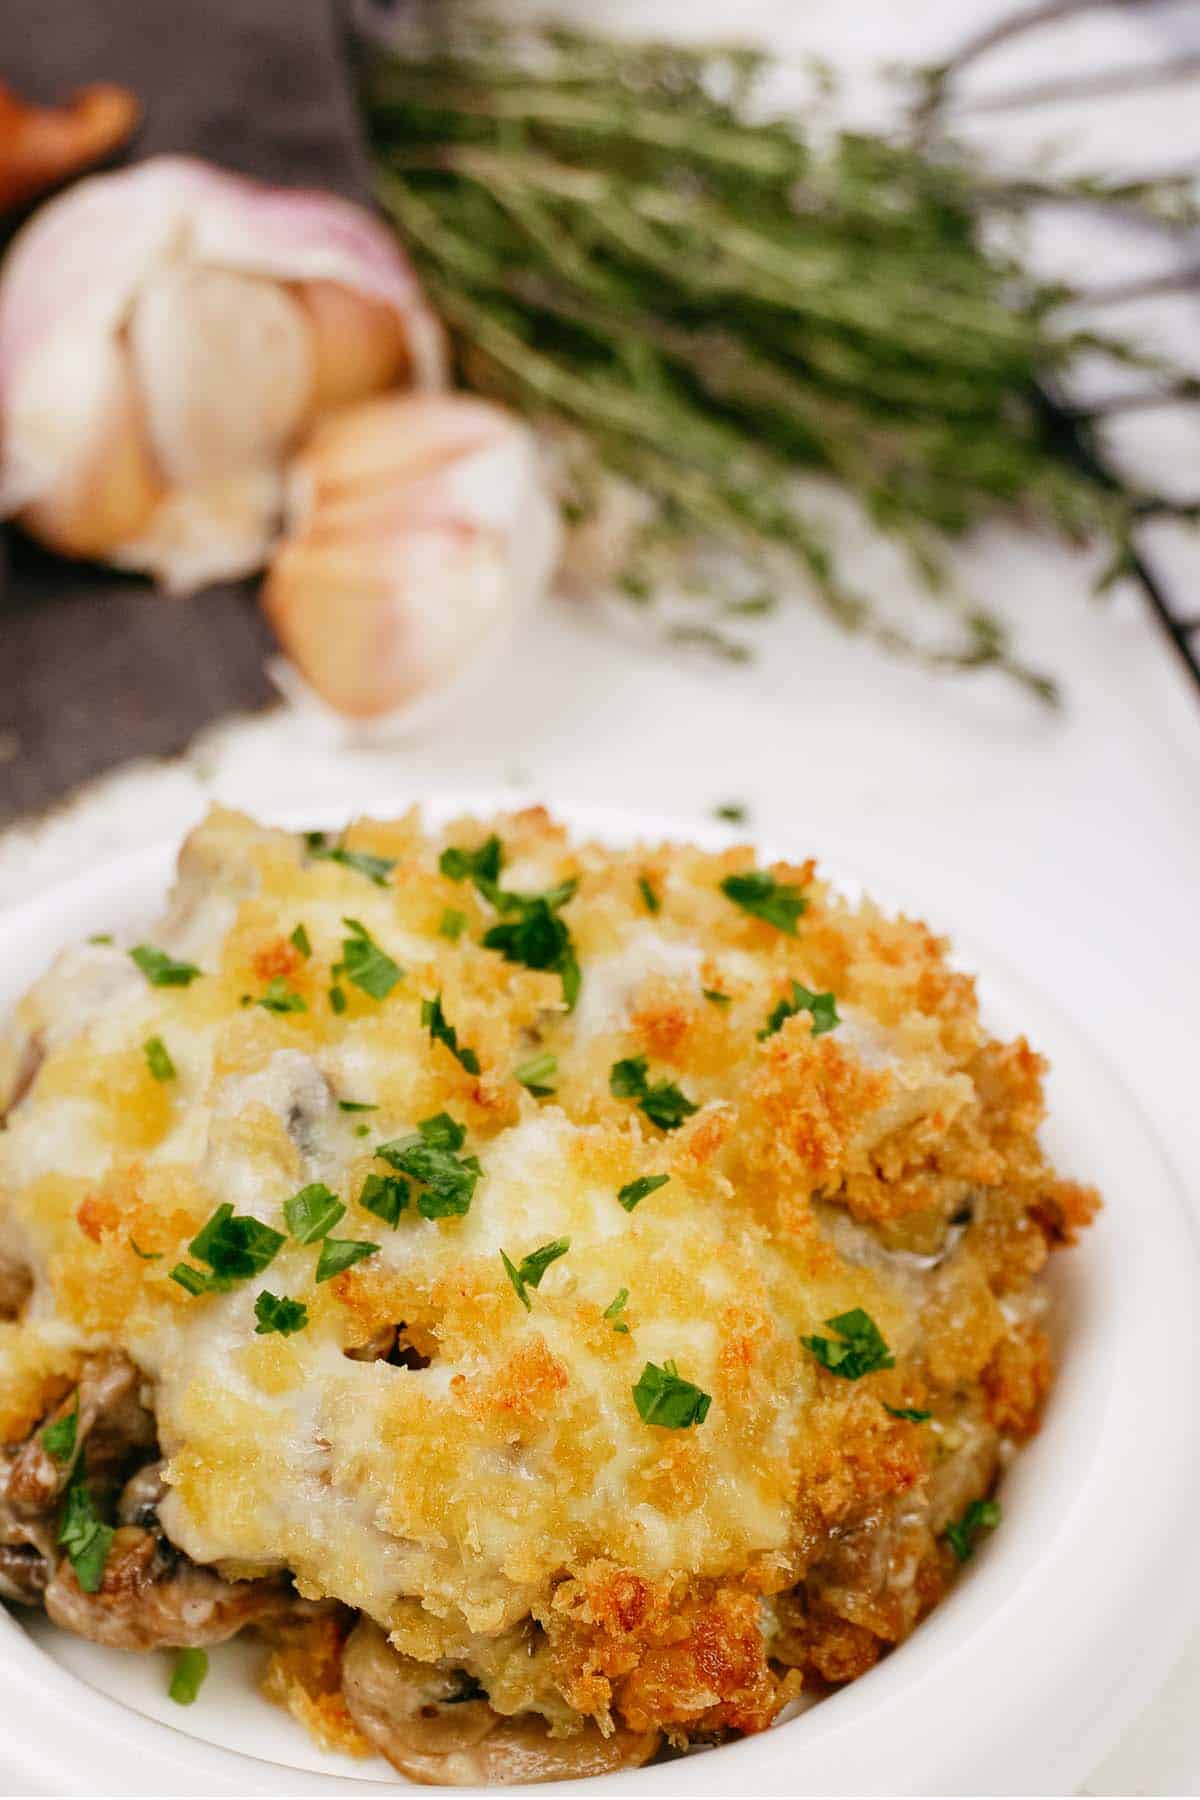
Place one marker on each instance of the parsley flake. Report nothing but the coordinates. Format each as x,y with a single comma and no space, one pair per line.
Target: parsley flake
365,964
235,1247
633,1191
442,1032
758,893
162,970
279,997
859,1348
146,1255
535,1074
663,1397
964,1534
341,1253
337,999
386,1196
615,1308
663,1103
312,1213
821,1007
915,1415
84,1535
101,937
482,866
187,1677
158,1059
357,1106
431,1158
375,868
650,899
276,1313
59,1438
717,997
453,924
529,1271
732,812
302,941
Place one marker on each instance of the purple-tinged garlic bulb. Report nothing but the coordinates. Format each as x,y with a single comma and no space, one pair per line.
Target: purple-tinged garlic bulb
168,336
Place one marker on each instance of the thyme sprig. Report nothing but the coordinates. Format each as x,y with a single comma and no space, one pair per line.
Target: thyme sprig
624,246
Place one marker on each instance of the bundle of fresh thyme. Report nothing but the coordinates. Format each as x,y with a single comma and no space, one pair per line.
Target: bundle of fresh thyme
709,304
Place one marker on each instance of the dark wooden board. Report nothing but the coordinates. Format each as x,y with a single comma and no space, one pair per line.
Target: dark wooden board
95,667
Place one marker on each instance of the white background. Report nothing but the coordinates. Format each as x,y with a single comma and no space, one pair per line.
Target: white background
1070,842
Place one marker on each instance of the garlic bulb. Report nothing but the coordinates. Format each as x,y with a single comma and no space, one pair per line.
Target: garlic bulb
167,336
420,527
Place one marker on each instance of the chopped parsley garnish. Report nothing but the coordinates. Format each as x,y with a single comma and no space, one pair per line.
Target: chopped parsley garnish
531,932
615,1308
302,941
822,1007
733,812
187,1677
915,1415
59,1439
633,1191
663,1103
341,1253
235,1247
650,899
279,997
537,938
375,868
365,964
529,1271
859,1348
964,1534
453,924
758,893
158,1059
277,1313
535,1074
146,1255
717,997
663,1397
162,970
84,1535
313,1212
442,1032
357,1106
386,1196
337,998
481,866
101,937
431,1158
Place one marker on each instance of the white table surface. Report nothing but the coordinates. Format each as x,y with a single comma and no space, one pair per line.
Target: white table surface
1069,841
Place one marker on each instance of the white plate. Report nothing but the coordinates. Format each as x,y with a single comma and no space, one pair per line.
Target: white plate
1054,1639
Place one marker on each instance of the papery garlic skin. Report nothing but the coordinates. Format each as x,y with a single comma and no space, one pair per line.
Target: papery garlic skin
168,334
420,529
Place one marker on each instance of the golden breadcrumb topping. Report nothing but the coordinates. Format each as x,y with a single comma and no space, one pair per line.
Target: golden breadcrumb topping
622,1481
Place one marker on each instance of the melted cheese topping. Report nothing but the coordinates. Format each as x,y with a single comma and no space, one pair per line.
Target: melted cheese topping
818,1174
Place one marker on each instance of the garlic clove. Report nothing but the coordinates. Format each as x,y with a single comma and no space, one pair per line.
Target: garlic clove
217,530
359,346
108,483
420,531
224,361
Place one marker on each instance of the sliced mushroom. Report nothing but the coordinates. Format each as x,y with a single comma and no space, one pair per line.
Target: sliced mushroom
141,1495
24,1572
412,1712
112,1423
16,1285
150,1597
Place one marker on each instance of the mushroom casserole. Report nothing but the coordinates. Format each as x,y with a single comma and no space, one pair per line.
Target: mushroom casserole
568,1302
